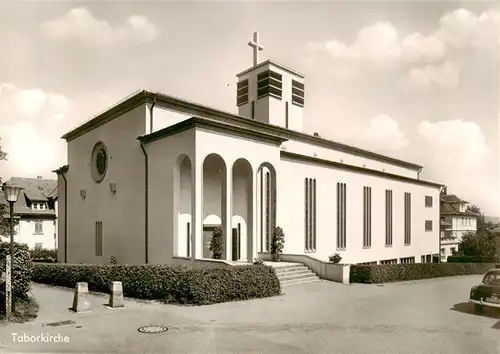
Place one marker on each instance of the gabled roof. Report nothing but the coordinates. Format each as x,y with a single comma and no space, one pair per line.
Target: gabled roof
34,190
448,208
452,198
198,110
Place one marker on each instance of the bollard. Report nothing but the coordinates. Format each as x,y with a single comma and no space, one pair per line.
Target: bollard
81,298
116,295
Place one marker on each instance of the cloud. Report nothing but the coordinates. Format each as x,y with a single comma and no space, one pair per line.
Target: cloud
381,134
32,121
444,76
80,24
377,42
418,48
464,29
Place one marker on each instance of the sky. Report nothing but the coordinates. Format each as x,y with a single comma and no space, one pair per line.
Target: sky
416,81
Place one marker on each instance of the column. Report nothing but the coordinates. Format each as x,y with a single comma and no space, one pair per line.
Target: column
227,210
252,220
196,209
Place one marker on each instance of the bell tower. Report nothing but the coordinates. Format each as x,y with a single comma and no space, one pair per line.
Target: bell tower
270,93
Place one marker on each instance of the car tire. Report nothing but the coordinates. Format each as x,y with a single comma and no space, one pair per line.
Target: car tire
478,307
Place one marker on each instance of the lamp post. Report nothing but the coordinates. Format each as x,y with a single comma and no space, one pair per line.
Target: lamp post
11,194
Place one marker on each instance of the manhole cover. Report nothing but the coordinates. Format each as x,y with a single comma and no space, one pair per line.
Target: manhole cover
152,329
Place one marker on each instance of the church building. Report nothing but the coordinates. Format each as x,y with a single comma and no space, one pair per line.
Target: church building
149,179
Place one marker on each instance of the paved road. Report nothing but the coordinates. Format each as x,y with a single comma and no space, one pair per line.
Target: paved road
428,316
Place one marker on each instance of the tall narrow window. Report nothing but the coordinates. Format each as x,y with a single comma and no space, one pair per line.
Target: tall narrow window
407,207
98,238
286,115
428,201
253,109
298,94
428,225
341,216
367,217
262,248
188,236
310,214
388,217
38,227
242,92
268,201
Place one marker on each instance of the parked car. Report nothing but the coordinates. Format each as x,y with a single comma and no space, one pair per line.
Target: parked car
487,293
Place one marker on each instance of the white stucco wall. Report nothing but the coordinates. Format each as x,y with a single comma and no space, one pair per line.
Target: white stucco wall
291,214
122,213
25,233
303,148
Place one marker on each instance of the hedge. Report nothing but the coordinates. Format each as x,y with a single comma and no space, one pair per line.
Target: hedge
171,284
22,272
471,259
43,255
385,273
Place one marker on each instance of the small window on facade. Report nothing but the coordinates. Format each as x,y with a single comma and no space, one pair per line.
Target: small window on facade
428,225
428,201
38,227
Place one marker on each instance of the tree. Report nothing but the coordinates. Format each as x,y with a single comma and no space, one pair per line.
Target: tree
480,244
4,210
217,243
482,224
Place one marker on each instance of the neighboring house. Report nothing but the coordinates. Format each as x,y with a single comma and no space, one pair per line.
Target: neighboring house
149,179
456,221
36,211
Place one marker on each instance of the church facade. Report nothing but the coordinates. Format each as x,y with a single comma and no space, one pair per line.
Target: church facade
148,180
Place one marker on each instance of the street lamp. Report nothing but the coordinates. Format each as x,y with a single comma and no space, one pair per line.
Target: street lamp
11,194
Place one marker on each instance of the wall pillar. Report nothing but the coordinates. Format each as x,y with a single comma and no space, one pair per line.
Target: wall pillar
227,211
196,209
252,220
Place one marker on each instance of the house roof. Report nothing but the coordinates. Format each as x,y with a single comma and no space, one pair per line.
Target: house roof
452,198
34,190
170,102
448,208
272,62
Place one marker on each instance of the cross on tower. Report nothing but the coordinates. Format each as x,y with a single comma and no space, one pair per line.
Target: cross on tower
256,47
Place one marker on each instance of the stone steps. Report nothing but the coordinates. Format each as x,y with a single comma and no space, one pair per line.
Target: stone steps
294,274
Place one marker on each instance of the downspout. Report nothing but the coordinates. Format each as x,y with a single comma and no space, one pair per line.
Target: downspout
65,218
418,173
439,252
146,186
146,210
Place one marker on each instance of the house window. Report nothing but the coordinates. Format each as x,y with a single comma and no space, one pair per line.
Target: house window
367,217
389,261
368,263
269,83
443,252
341,216
310,214
428,201
188,239
267,211
298,93
35,205
388,217
407,260
38,227
453,250
98,238
407,221
428,225
242,92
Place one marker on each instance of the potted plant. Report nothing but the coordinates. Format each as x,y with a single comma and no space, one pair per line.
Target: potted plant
335,258
277,244
217,243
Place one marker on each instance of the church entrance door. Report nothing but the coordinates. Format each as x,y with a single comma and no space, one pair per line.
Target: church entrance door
236,251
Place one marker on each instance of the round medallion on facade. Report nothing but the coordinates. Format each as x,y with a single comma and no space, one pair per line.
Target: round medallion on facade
99,162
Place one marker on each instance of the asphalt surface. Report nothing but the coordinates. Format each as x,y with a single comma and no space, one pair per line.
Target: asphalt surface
430,316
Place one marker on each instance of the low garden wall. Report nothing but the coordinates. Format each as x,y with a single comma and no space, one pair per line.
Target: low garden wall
402,272
168,283
325,270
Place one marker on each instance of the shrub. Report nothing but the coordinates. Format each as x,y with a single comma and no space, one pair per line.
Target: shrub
22,271
217,243
400,272
171,284
335,258
43,255
278,240
471,259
